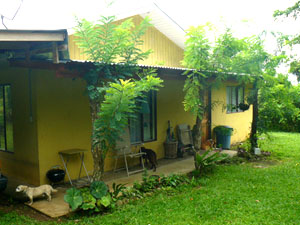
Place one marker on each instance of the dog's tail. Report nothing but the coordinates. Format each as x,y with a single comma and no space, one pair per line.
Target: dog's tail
54,190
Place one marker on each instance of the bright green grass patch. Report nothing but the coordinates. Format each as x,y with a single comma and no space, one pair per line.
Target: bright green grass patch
282,145
234,194
13,218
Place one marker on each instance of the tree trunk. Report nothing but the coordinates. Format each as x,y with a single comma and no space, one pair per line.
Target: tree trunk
253,134
197,134
197,129
98,159
97,153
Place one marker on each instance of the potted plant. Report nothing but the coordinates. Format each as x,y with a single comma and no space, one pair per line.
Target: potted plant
55,174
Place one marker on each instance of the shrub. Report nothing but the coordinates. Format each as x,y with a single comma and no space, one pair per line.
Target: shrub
74,198
96,198
207,160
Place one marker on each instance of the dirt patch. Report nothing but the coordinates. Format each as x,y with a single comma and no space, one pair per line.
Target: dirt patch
264,164
8,204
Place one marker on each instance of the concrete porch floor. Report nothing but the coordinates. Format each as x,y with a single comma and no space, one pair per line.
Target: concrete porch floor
58,207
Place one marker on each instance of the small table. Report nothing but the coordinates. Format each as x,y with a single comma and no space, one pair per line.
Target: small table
66,154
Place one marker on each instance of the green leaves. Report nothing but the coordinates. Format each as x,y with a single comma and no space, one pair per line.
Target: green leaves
193,95
291,11
119,103
279,104
107,42
89,202
74,198
105,201
197,49
98,189
95,198
208,159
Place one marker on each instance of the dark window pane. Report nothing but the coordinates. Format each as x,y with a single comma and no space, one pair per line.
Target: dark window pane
234,96
147,111
143,126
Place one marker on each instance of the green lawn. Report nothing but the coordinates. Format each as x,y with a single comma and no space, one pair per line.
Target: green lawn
233,194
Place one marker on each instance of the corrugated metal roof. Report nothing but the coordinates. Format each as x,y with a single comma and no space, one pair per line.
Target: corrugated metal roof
139,65
178,69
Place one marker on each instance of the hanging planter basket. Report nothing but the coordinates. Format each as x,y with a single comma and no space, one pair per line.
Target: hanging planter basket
243,106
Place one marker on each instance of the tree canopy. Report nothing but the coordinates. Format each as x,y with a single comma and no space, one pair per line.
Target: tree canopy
228,55
245,58
292,12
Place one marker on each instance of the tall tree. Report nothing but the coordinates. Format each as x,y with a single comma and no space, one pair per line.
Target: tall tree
196,57
115,52
293,12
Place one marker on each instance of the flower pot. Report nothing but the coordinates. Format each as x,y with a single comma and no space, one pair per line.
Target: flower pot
3,182
56,175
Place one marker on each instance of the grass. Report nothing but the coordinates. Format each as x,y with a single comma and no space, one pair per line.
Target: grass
233,194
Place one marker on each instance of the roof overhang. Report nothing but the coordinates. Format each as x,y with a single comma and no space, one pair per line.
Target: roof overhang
26,44
32,35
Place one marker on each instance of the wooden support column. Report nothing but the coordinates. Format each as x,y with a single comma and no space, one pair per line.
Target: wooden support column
55,52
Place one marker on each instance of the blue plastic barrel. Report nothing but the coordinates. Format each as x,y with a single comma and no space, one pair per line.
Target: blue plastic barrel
223,136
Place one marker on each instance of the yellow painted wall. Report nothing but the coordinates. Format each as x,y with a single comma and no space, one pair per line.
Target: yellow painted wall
164,50
63,121
23,164
170,107
240,121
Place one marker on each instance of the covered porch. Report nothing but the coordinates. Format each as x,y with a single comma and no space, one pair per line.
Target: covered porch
58,207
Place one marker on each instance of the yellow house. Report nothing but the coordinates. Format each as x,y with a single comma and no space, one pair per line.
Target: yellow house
43,111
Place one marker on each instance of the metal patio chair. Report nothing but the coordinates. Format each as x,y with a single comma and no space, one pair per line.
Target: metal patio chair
124,149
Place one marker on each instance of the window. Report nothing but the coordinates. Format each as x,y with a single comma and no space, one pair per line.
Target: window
143,125
234,96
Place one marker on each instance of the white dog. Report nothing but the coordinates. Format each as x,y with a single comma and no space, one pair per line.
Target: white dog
33,192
